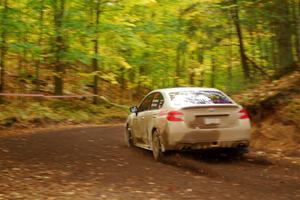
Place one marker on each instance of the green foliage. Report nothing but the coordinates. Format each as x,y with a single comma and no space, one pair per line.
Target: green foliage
142,43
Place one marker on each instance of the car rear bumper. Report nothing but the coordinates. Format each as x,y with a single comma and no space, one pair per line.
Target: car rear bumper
180,137
211,145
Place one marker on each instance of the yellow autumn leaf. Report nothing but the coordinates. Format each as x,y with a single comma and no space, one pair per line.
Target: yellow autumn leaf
125,64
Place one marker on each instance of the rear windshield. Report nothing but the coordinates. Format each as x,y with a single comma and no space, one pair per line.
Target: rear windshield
194,97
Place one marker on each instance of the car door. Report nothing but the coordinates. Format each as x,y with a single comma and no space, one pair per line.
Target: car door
150,115
139,120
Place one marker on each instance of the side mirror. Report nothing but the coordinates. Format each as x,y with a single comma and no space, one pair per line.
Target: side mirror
134,109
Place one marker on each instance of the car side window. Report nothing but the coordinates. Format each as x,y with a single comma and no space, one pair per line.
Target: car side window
145,105
157,102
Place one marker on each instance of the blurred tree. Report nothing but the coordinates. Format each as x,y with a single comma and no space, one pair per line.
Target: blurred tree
59,44
95,8
236,20
145,44
283,30
3,48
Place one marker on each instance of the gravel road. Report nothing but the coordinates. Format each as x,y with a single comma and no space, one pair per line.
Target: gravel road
94,163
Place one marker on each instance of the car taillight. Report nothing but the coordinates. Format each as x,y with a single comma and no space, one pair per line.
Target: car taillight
175,116
244,114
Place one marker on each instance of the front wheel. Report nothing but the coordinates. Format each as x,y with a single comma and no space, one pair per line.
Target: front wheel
128,137
156,147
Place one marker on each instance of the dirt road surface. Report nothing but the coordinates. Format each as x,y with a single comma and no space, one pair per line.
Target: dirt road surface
94,163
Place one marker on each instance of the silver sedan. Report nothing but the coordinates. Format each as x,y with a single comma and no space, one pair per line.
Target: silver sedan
187,119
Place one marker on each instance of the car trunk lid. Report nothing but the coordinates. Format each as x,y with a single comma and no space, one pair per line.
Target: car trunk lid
211,116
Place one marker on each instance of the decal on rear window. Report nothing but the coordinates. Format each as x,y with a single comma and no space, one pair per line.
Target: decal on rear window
194,97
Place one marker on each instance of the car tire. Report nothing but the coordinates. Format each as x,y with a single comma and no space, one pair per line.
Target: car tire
128,137
237,153
156,147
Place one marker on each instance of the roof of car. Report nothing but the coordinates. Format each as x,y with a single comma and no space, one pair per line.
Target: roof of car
184,89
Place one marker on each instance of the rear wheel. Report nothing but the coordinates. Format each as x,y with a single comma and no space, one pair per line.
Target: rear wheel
236,152
156,147
128,137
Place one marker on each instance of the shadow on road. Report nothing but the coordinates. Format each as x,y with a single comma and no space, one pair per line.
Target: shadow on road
211,162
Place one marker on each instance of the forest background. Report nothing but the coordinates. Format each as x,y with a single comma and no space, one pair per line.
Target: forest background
119,50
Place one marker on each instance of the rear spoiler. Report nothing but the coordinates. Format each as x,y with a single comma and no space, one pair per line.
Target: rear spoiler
211,106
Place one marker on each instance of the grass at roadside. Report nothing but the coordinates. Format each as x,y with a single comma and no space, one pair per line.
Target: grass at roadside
44,112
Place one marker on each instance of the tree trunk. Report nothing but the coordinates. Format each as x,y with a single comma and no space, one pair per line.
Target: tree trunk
177,72
200,58
192,77
3,49
230,61
296,24
213,72
202,78
180,61
96,52
41,34
283,31
123,85
236,20
274,48
59,11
